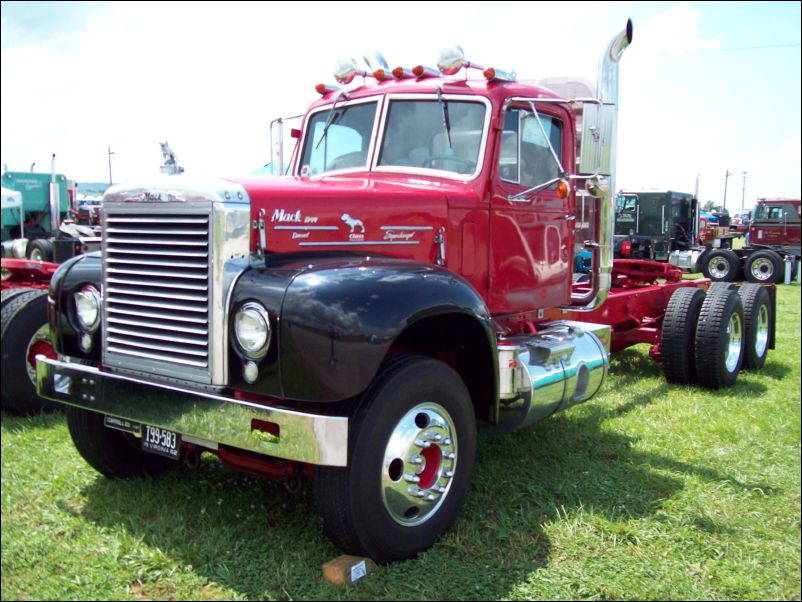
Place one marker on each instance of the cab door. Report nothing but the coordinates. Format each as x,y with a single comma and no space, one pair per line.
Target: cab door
532,234
776,223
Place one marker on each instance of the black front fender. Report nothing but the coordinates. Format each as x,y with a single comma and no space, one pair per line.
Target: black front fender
339,321
340,316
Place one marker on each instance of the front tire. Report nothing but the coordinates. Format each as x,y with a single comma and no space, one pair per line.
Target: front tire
412,443
25,334
111,452
40,249
721,265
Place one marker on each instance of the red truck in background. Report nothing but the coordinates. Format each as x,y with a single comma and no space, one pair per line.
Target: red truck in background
355,322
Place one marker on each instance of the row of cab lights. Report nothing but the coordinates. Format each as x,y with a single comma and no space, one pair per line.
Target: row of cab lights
449,62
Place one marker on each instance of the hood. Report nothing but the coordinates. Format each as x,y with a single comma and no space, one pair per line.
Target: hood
390,215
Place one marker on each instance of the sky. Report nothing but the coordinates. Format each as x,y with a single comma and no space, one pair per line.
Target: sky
706,88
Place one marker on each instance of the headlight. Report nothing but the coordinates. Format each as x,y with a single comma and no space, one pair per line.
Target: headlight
252,329
87,307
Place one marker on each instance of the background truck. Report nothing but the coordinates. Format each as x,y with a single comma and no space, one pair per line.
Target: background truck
355,322
46,224
670,226
25,329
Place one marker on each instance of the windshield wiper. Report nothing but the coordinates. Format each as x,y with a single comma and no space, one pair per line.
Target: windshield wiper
446,120
330,119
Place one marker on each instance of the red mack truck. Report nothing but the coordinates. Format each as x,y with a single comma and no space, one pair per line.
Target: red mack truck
356,321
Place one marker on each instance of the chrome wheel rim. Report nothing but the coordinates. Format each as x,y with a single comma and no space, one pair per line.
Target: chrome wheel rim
419,463
40,343
762,331
735,342
36,255
762,269
719,268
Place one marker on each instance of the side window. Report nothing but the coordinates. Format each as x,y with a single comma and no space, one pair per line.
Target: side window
508,164
525,157
791,214
775,213
625,209
340,142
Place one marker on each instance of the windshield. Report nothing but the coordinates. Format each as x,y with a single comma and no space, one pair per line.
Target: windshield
625,207
416,136
346,142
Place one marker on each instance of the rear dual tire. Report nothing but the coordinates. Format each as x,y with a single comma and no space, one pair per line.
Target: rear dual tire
708,338
719,340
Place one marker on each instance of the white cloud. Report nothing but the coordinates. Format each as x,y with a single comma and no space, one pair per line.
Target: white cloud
209,78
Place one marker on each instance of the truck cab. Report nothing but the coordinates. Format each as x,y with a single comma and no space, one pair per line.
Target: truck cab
651,224
356,321
776,222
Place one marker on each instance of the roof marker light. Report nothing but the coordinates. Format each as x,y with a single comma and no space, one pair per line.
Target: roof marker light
401,73
420,72
324,89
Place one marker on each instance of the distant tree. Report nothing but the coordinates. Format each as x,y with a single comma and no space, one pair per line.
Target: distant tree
709,206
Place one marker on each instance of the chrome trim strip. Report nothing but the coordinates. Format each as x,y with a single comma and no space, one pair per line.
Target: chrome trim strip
311,438
361,243
305,228
410,228
156,356
144,314
198,331
175,306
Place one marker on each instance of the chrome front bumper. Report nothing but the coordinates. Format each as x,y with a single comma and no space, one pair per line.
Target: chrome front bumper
204,418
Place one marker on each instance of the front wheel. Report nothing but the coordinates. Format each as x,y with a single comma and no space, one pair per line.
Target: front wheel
412,443
111,452
25,334
721,265
40,249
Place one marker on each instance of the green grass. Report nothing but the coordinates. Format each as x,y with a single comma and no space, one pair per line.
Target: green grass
648,491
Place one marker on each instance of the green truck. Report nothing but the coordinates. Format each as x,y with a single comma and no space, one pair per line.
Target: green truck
39,218
665,225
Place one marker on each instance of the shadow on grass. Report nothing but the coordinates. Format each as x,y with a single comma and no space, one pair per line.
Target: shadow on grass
250,536
16,424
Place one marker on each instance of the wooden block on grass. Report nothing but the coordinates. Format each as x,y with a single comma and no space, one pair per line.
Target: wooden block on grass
347,569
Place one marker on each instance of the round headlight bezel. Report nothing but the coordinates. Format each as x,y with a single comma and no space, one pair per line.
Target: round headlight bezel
87,294
254,348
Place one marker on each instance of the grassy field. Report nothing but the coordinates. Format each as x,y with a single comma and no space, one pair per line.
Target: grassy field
649,491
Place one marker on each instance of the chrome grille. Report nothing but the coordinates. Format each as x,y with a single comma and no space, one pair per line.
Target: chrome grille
157,288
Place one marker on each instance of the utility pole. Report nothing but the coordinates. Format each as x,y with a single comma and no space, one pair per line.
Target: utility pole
743,193
112,152
726,177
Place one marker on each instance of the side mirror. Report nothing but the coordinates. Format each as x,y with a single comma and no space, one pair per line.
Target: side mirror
597,139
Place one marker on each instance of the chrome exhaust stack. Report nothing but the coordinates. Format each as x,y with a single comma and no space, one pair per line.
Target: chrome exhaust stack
598,156
563,364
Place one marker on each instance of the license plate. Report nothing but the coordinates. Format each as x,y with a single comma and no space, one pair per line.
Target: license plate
161,441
